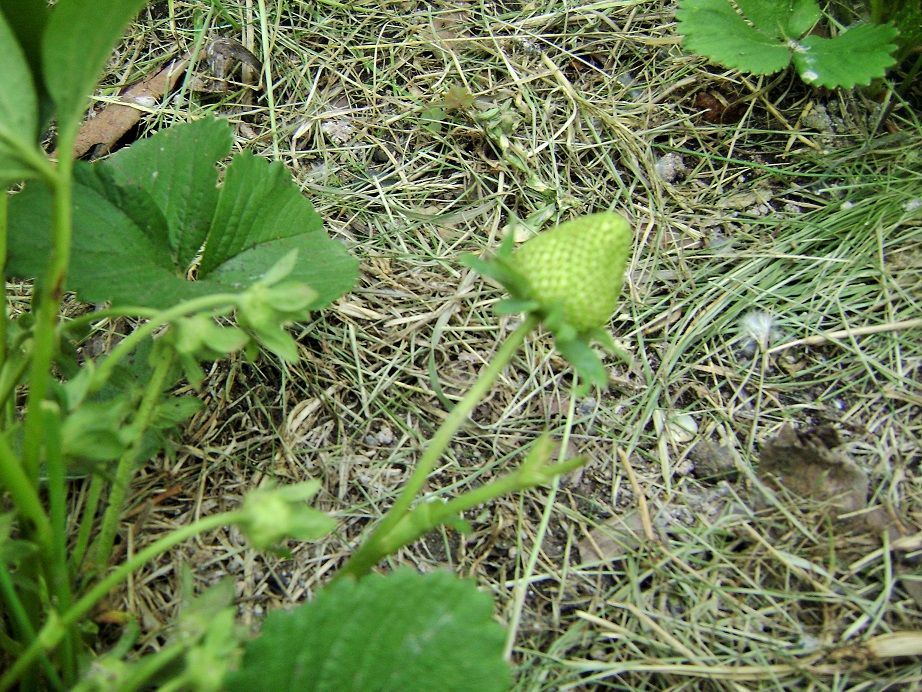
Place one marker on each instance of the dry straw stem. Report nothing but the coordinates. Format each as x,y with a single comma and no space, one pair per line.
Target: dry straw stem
590,98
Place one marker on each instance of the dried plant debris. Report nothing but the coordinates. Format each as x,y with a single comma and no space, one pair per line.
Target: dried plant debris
811,464
624,533
102,131
223,56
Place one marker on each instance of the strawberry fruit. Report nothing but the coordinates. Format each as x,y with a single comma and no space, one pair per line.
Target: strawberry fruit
577,269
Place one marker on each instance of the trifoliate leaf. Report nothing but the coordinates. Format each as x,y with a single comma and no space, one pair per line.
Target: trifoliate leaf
141,219
765,37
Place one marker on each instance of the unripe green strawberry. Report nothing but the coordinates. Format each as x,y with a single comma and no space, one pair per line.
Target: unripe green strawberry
577,266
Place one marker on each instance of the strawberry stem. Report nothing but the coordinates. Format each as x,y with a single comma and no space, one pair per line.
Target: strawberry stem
375,547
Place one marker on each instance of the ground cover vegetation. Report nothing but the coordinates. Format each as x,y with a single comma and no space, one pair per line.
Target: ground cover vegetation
739,508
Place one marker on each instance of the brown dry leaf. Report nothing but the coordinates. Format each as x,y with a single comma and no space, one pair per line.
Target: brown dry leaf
617,536
614,538
111,123
809,464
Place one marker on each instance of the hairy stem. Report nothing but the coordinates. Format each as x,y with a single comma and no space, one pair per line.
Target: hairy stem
373,550
55,629
146,410
48,301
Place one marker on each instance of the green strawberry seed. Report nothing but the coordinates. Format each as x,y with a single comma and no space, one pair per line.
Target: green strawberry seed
578,267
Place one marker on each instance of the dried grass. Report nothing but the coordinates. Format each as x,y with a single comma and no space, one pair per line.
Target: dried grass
595,95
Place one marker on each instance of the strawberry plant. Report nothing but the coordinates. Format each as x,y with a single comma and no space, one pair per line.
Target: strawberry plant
211,266
765,36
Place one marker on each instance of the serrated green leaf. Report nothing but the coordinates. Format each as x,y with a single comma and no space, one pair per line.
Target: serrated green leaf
18,106
77,42
401,631
137,204
135,231
714,29
857,56
257,204
260,218
112,259
781,18
176,168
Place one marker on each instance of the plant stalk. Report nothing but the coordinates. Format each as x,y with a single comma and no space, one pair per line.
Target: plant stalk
55,629
21,624
146,410
373,550
57,574
48,297
4,317
424,517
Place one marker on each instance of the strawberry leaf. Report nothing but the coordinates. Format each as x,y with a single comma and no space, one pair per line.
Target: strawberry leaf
765,37
400,631
781,18
714,29
141,219
18,106
861,54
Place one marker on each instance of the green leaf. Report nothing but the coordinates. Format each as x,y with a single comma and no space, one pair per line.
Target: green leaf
18,107
76,44
274,514
401,631
584,360
714,29
261,217
766,42
174,410
781,18
176,168
27,19
112,258
92,431
861,54
139,220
